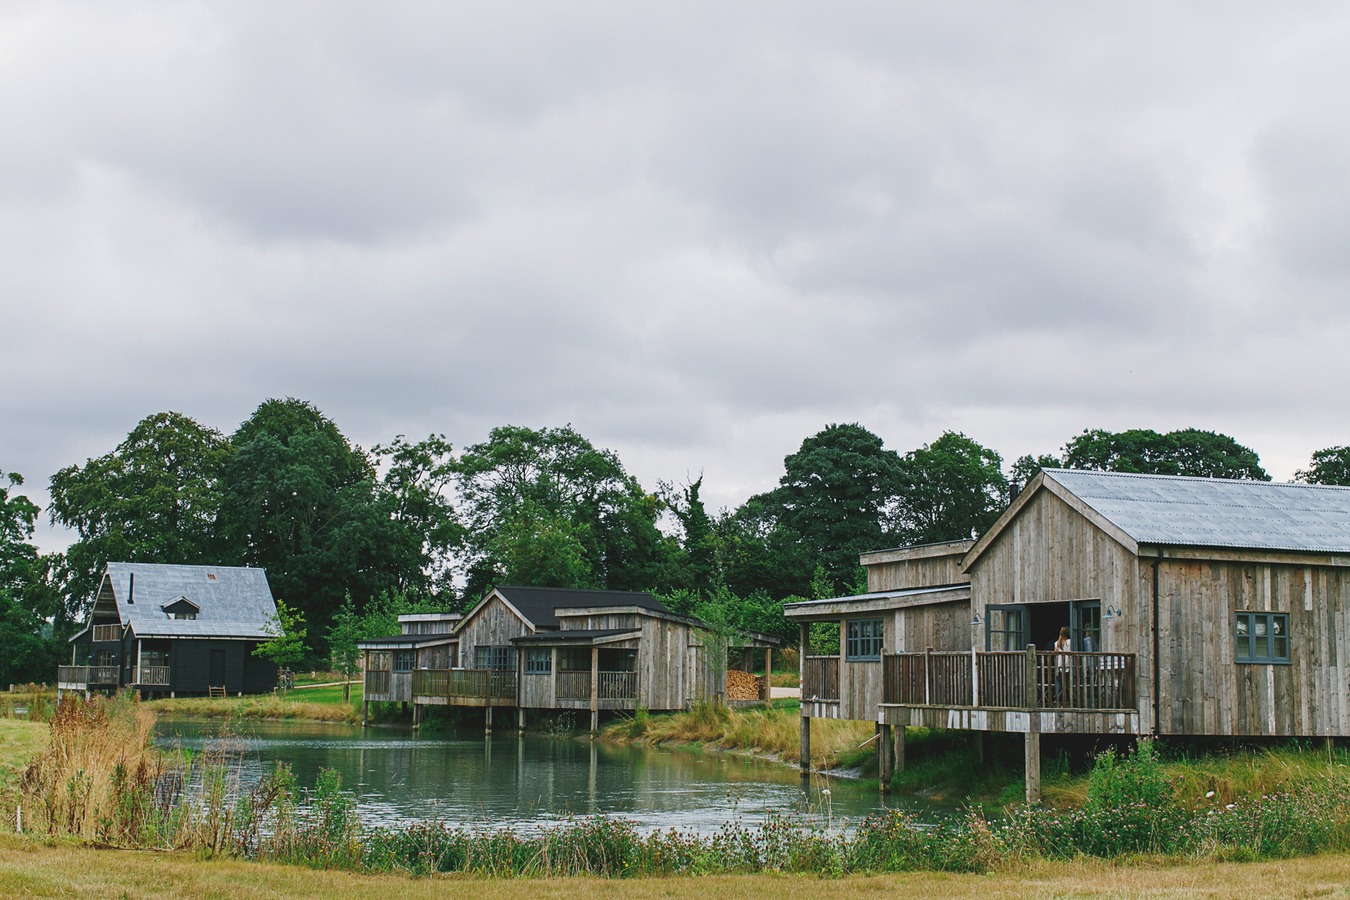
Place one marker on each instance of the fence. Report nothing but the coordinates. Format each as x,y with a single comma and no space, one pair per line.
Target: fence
486,684
1010,680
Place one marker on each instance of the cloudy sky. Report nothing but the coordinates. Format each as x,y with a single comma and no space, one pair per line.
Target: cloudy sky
699,232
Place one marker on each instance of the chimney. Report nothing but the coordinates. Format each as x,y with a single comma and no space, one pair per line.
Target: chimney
131,590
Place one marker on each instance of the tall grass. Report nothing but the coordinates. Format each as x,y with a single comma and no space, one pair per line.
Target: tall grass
773,731
100,780
262,706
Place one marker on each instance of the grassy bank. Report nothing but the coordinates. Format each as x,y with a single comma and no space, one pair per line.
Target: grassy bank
320,704
774,732
28,868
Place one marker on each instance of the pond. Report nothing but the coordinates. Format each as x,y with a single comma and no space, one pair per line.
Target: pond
398,776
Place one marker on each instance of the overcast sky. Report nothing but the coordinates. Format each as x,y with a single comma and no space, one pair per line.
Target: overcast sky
698,232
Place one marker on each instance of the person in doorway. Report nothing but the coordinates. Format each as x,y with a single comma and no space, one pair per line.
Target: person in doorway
1063,647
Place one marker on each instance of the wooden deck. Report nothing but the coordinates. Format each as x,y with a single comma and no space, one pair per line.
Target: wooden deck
82,678
464,687
1030,691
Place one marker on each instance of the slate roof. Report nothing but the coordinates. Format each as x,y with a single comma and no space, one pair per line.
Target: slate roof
538,603
1213,512
232,602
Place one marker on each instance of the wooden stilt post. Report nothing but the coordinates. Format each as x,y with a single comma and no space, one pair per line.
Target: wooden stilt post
806,744
487,722
365,712
520,719
884,757
1033,766
898,756
982,747
595,690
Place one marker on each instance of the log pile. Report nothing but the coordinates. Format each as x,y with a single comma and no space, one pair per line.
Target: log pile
743,685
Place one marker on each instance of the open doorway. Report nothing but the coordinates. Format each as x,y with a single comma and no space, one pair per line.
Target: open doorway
1013,626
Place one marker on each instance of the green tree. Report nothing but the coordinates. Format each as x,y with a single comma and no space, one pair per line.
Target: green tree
285,646
953,488
1329,466
526,493
1028,467
696,566
343,635
302,502
154,498
27,594
1188,451
416,490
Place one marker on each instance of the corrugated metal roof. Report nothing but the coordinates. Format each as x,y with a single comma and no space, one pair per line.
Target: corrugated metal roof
1212,512
232,602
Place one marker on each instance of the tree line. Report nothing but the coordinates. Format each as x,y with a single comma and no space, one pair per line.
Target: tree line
351,537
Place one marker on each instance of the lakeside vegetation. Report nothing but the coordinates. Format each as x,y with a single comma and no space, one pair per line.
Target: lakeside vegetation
318,704
99,779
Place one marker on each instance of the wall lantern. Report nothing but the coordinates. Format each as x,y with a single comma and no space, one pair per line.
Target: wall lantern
1112,612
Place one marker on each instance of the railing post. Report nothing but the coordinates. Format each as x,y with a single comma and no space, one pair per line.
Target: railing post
928,677
1029,675
974,679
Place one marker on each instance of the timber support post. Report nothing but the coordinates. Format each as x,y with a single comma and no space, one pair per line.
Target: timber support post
520,719
1033,766
595,690
885,767
806,746
487,722
365,712
1033,739
898,753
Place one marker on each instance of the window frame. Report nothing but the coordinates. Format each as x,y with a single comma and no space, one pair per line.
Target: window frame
539,661
858,644
402,660
1270,628
494,657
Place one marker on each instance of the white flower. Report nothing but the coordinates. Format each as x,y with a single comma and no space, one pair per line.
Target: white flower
1209,795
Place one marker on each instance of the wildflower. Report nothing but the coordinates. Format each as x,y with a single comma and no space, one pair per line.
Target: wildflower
1209,795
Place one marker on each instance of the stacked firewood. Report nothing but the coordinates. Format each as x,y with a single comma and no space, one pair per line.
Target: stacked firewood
742,685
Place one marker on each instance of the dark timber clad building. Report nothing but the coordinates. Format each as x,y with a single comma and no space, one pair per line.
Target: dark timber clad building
165,629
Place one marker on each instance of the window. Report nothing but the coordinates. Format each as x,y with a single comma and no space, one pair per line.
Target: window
187,615
574,659
1006,628
864,639
403,660
538,662
1261,637
499,658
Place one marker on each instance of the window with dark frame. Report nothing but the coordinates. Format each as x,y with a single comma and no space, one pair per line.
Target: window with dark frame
403,660
864,639
1261,637
538,662
498,658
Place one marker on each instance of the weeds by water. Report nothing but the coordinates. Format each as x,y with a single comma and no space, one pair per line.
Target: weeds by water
101,780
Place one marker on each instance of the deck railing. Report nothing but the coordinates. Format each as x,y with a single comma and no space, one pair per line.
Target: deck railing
87,676
609,686
377,681
156,676
1010,680
480,684
107,633
820,677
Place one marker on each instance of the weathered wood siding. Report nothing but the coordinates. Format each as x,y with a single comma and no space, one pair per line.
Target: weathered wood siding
492,626
860,681
1051,553
914,567
941,626
1206,691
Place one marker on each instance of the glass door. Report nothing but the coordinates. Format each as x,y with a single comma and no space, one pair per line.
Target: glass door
1086,618
1006,628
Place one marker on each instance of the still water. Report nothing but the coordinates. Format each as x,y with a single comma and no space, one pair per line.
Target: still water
463,778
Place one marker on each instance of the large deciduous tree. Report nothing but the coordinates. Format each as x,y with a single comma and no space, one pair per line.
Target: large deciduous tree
301,502
154,498
1188,451
1329,466
951,489
548,507
415,492
28,596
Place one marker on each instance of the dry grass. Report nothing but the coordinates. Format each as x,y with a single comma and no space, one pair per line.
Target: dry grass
94,747
263,706
772,732
31,869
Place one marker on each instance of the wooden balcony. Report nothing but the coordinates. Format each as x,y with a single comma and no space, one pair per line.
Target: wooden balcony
80,678
152,676
609,686
1029,692
820,678
465,687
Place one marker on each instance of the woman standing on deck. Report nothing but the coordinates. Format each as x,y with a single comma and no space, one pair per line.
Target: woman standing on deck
1063,647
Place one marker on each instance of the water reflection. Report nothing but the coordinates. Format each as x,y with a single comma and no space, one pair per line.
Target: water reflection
524,782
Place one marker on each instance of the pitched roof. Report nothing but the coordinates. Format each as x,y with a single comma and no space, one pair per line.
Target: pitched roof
538,603
231,602
1212,512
